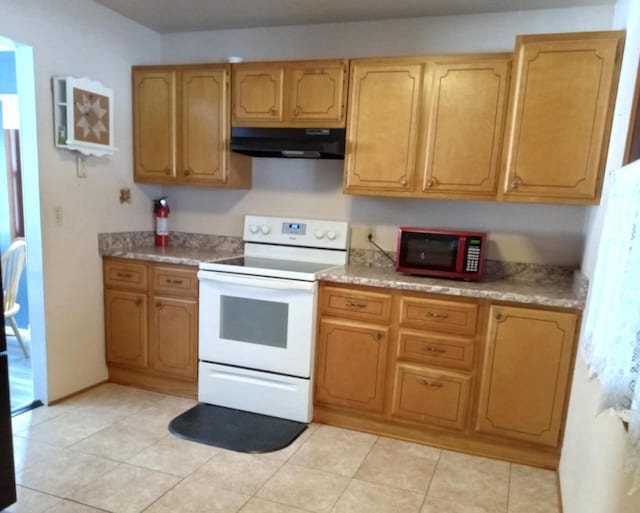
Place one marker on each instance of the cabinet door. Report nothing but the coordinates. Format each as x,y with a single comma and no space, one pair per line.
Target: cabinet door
126,328
465,110
526,374
258,94
317,93
431,396
351,365
559,117
204,126
174,336
382,127
154,125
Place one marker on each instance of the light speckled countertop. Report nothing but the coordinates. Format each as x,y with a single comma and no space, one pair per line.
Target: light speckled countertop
171,255
567,290
531,284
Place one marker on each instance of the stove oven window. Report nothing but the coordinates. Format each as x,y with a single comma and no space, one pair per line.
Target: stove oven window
254,321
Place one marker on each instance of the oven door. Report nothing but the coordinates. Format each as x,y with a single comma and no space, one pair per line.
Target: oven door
257,322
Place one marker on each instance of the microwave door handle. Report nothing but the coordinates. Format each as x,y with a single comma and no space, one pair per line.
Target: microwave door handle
462,254
256,282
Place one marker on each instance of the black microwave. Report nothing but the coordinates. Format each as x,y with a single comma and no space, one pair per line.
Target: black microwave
441,253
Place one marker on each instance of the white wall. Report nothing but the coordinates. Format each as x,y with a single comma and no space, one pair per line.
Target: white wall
591,468
528,233
80,38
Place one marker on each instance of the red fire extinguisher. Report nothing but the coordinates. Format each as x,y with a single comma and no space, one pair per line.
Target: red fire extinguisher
161,214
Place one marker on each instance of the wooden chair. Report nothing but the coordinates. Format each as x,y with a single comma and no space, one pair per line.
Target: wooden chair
12,265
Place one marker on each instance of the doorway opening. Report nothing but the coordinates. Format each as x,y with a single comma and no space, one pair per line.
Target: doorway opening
20,221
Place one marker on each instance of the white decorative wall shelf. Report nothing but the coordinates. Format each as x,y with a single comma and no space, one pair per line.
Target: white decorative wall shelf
83,116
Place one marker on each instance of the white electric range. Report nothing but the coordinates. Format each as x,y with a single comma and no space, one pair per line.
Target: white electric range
257,316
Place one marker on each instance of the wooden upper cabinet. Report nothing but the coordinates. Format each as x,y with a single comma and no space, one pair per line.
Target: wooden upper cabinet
181,122
560,111
258,94
154,124
464,112
289,94
382,126
317,93
204,125
526,373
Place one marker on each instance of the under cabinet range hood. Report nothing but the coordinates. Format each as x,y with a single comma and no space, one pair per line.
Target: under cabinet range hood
301,143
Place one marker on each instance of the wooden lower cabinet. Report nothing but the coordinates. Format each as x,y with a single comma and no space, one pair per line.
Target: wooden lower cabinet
351,364
483,378
173,339
527,364
126,328
151,325
431,396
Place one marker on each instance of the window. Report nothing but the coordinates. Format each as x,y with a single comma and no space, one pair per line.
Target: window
612,335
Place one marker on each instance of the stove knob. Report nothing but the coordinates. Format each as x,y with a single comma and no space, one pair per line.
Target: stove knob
319,234
332,235
254,228
265,229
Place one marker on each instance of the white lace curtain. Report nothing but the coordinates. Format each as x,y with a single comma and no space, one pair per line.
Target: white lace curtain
612,337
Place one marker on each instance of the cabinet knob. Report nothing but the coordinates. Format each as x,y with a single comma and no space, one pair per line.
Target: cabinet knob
159,305
515,183
138,302
430,183
378,336
499,317
296,111
274,112
187,172
404,182
167,170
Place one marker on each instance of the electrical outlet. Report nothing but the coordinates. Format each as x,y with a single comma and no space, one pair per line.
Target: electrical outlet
370,231
57,216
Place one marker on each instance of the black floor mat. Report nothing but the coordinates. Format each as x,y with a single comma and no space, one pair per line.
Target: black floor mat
235,429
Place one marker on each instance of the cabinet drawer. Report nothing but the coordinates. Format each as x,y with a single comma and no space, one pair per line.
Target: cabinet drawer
356,304
436,349
171,280
439,315
130,275
431,396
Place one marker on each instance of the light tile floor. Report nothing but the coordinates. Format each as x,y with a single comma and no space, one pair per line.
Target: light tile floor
108,449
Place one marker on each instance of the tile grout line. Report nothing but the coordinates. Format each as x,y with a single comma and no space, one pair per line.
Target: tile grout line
435,469
509,486
351,478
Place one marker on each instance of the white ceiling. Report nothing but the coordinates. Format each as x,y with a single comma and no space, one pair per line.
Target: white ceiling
190,15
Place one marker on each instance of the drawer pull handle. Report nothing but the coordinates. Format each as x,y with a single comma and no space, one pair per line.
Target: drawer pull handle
355,304
436,315
437,350
124,275
431,384
174,282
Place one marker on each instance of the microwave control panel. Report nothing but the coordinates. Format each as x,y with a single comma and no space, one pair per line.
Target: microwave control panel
472,252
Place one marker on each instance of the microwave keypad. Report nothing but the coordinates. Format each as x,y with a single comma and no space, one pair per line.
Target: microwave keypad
473,256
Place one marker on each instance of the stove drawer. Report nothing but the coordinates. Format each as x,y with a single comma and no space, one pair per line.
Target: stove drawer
355,304
258,392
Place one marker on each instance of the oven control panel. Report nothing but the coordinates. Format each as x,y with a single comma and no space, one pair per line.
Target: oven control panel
314,233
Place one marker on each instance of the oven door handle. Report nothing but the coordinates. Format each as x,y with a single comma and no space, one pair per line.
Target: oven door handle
256,281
